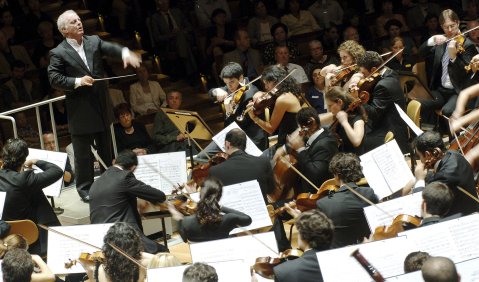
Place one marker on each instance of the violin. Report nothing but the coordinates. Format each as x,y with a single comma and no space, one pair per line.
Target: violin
432,158
474,67
200,171
400,223
264,265
86,259
344,74
468,140
372,271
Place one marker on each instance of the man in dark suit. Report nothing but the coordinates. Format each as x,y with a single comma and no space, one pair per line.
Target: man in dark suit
249,58
25,198
74,65
448,76
382,114
313,155
315,234
113,197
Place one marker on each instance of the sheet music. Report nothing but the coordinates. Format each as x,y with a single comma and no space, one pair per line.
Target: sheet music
220,140
409,205
61,249
162,171
387,256
418,131
246,248
228,271
246,197
456,239
386,169
58,158
3,195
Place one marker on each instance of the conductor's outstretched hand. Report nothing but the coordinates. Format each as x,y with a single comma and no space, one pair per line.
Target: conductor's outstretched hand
133,60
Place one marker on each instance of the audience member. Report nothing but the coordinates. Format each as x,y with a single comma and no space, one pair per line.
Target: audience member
298,21
200,272
19,91
440,269
9,54
327,12
204,10
146,96
281,55
129,134
474,35
59,111
386,15
393,28
10,28
418,14
357,21
18,266
437,199
259,27
318,58
431,24
26,131
402,61
414,261
49,145
351,33
33,18
248,58
279,31
219,36
315,93
331,38
163,260
471,12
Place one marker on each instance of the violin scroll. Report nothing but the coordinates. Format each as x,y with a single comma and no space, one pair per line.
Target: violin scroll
432,158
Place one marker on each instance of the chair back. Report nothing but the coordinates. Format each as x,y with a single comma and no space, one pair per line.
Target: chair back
389,137
26,228
414,111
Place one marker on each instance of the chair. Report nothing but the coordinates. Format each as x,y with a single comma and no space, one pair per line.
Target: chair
414,112
26,228
389,137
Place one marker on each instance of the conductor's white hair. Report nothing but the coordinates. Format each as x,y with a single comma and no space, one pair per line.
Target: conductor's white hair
62,20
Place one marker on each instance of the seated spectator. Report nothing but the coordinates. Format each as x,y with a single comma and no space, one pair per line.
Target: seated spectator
219,36
12,241
402,61
18,265
327,12
200,272
393,27
10,27
440,269
49,145
387,15
259,27
166,136
204,10
474,35
315,94
248,58
351,33
59,112
414,261
279,31
356,20
417,15
281,56
9,54
163,260
19,91
130,134
26,131
146,96
298,21
33,19
471,12
431,22
331,38
318,58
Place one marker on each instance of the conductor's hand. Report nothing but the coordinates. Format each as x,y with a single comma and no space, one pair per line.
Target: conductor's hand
87,81
133,60
475,59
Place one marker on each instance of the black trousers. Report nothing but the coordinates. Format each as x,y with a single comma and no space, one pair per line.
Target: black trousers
84,158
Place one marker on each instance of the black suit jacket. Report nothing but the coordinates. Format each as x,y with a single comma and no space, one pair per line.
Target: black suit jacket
457,73
89,108
113,197
345,209
241,167
314,161
303,269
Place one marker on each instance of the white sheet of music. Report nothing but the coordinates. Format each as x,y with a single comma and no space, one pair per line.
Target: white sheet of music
61,249
246,248
162,171
385,169
246,197
58,158
409,204
3,195
418,131
456,239
234,271
219,139
387,256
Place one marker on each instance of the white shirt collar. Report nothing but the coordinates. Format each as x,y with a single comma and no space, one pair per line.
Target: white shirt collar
74,43
314,136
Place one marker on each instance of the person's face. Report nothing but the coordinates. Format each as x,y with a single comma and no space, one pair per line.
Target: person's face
18,73
49,142
163,5
398,45
364,71
351,34
279,35
450,28
232,83
74,26
260,10
125,119
142,73
174,100
346,58
473,35
268,85
432,24
394,31
282,56
334,106
7,18
318,79
220,19
243,41
316,50
333,34
34,5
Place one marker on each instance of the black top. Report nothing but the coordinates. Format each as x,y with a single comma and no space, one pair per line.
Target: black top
138,139
346,145
287,126
190,228
303,269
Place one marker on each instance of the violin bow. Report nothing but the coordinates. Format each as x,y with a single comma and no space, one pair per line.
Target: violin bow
460,34
283,159
367,200
455,135
256,238
384,63
468,194
67,236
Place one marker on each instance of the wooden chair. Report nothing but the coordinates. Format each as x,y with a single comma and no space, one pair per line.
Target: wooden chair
414,111
389,137
26,228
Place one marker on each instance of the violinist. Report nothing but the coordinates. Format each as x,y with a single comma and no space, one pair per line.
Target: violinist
18,266
437,199
211,221
344,75
448,76
113,197
384,93
315,233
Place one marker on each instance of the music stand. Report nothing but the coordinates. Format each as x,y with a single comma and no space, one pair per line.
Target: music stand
191,124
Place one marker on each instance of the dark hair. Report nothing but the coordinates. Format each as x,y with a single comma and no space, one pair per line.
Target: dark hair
392,22
14,153
439,269
278,25
17,266
346,166
428,141
336,93
18,64
117,266
12,241
369,60
231,70
430,16
316,229
126,159
121,109
448,14
414,261
216,12
208,211
275,74
200,272
304,116
237,138
438,198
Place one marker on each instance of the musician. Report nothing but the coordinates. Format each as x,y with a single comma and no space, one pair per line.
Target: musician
448,76
315,233
18,266
382,114
113,197
313,156
349,52
200,272
437,199
448,167
350,126
414,261
211,221
440,269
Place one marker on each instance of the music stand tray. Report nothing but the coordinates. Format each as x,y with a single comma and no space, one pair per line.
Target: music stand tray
181,117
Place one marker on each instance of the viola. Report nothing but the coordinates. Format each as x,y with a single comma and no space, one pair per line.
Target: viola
433,158
86,259
400,223
372,271
200,172
264,265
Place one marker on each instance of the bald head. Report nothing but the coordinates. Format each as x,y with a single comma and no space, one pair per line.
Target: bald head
439,269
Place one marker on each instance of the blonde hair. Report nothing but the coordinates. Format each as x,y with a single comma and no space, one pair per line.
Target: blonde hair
355,49
12,241
163,260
